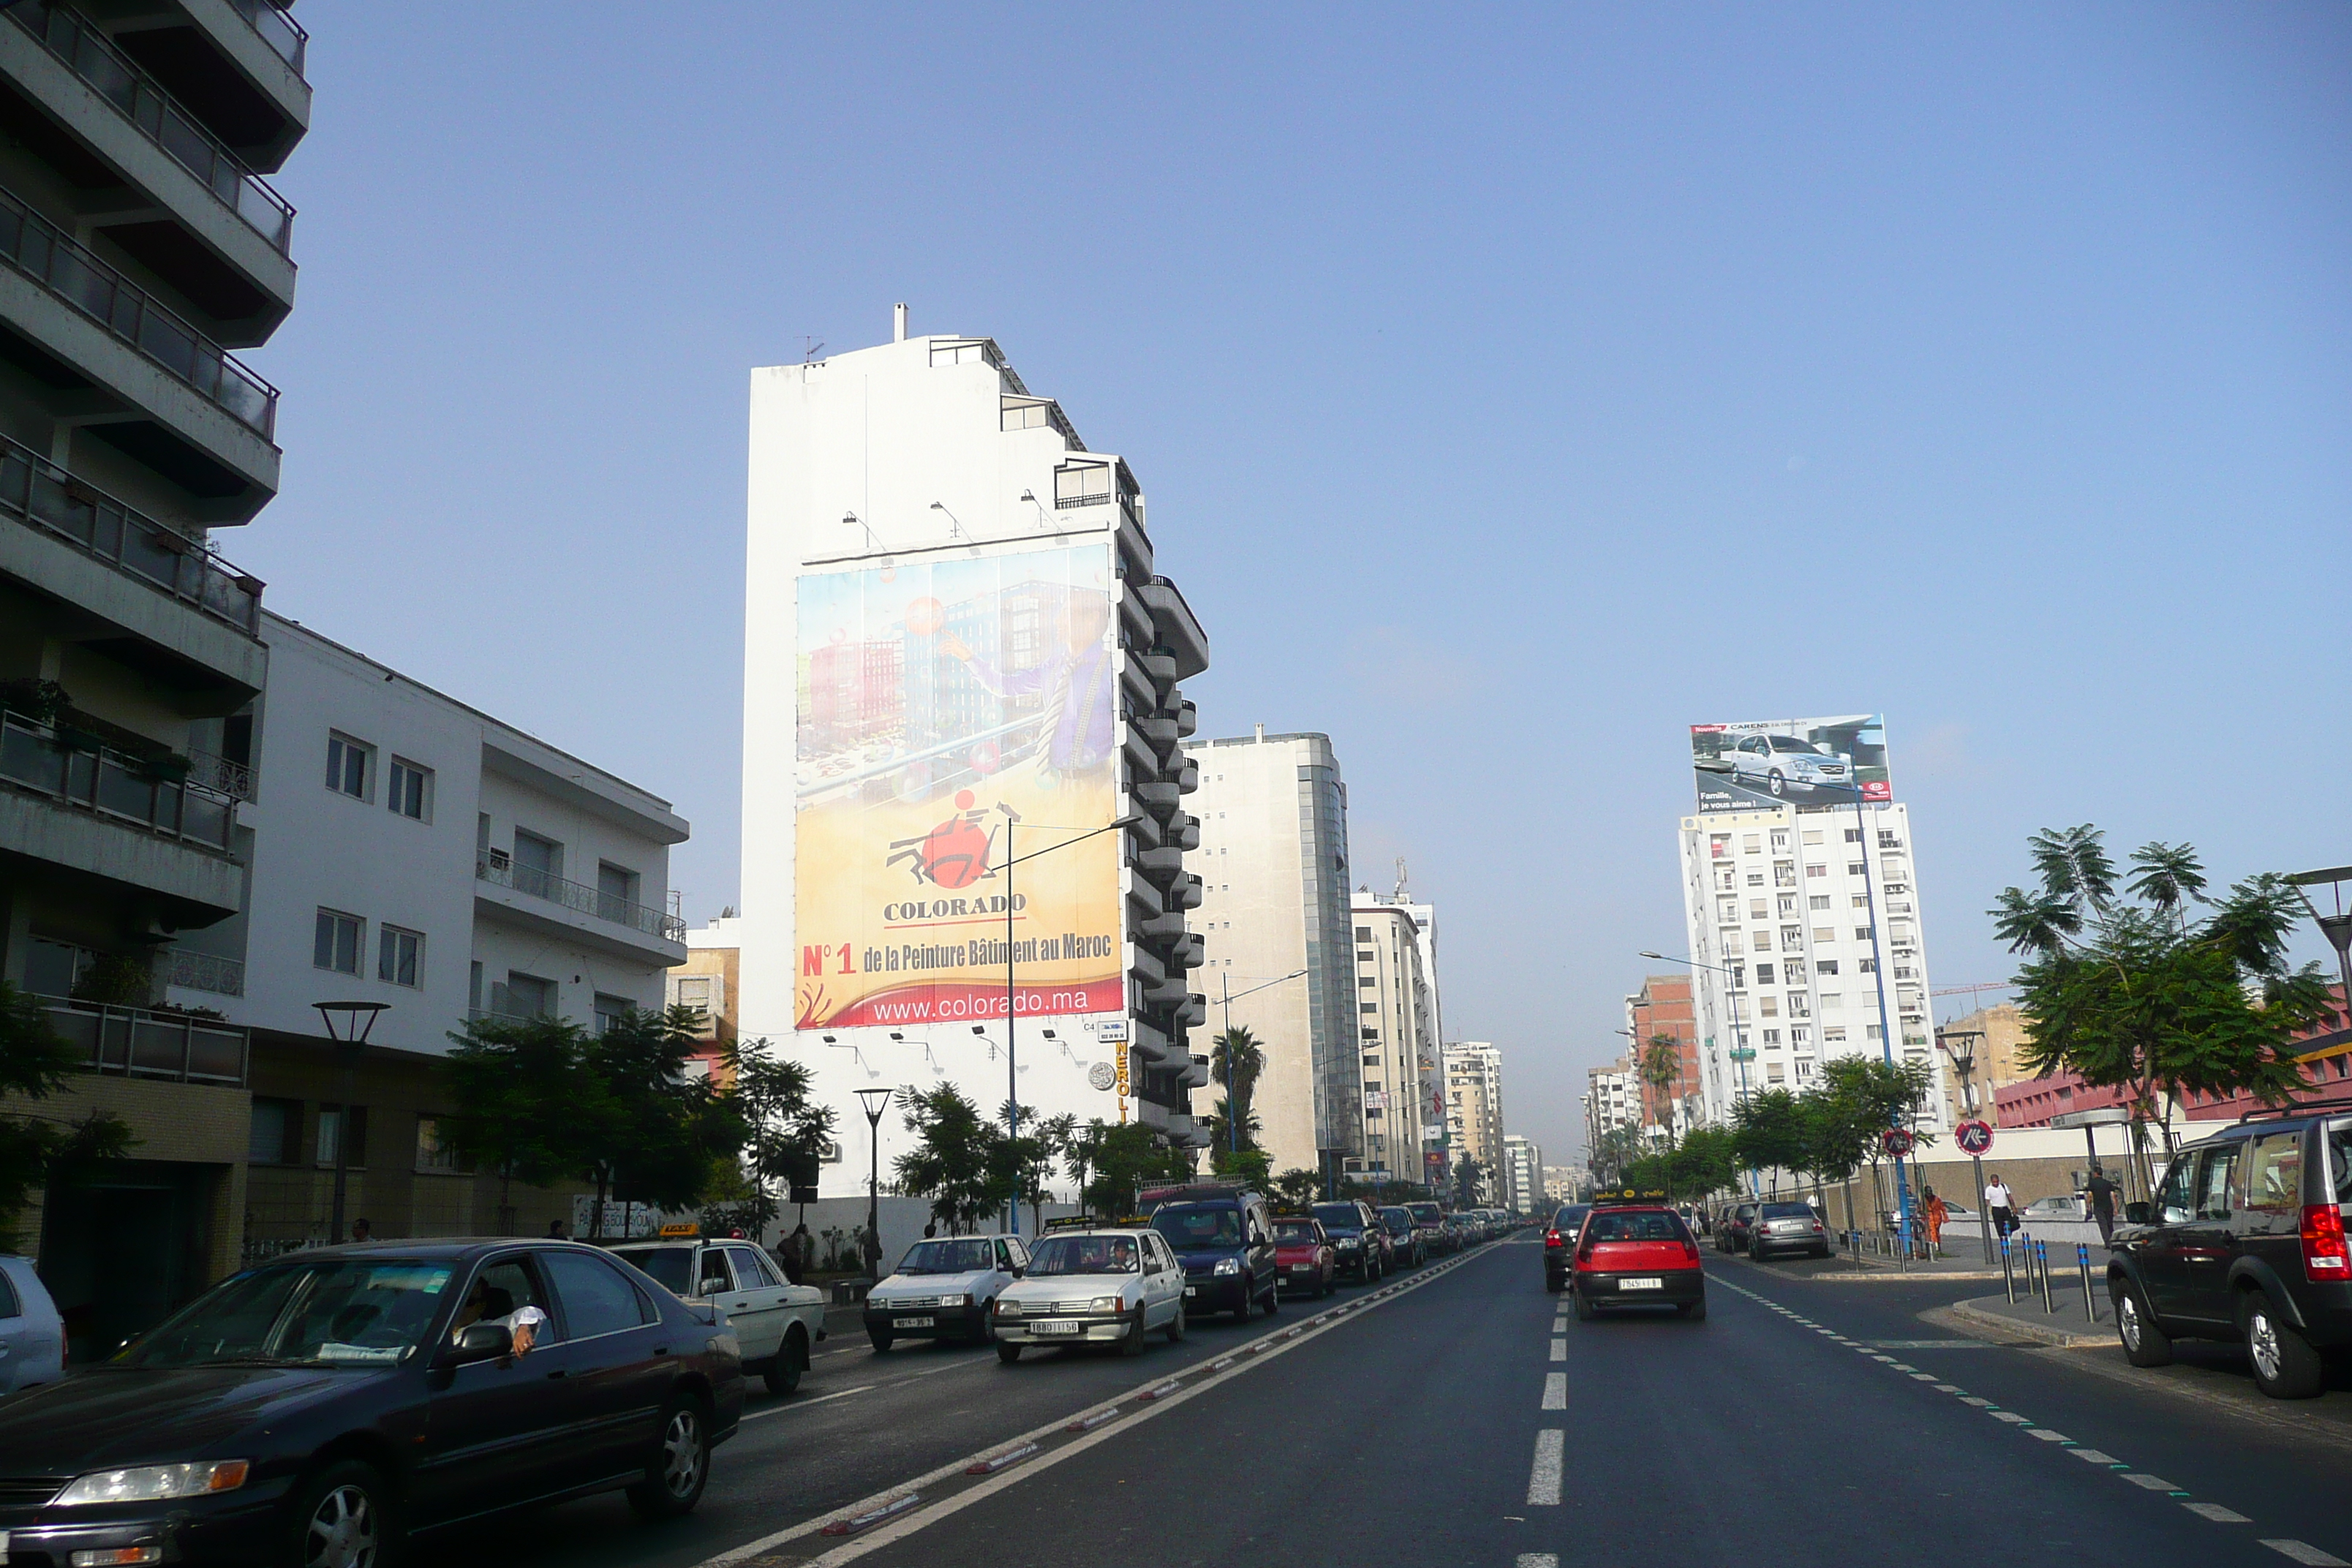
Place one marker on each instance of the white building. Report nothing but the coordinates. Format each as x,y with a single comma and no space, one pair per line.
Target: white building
1396,1007
1612,1099
1274,914
1523,1174
1473,1104
404,849
1815,915
954,631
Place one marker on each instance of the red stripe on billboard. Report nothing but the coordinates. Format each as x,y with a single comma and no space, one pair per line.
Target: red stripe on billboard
954,1001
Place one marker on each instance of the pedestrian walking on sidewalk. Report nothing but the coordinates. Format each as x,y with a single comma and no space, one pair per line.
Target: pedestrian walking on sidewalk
2102,1194
1938,1213
2001,1205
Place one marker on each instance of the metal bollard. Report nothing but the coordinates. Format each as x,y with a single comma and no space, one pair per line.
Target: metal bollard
2008,1274
2082,1265
2042,1262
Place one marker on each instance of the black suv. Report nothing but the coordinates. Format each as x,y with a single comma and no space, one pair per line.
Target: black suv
2245,1239
1225,1237
1354,1230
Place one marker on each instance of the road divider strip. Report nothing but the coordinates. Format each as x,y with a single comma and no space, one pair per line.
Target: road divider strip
872,1516
1089,1423
1010,1457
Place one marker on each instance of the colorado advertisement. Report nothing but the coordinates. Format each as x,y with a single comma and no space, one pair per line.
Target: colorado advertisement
1802,763
949,709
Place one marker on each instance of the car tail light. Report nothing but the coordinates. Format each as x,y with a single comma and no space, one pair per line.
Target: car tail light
1551,1238
1817,1227
2325,1258
1690,1251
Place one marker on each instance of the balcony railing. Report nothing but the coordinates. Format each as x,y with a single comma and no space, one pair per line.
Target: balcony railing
41,495
46,255
118,79
205,972
219,774
136,792
499,869
134,1042
281,32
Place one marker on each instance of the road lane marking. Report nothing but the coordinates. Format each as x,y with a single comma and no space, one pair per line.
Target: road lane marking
1538,1559
806,1404
1559,1350
1555,1391
2303,1552
2012,1416
2093,1456
2151,1483
2217,1514
1543,1479
2047,1435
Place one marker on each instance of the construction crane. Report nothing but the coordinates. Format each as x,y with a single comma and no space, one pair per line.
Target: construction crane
1972,990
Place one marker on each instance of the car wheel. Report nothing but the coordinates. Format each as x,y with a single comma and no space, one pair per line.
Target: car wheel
782,1374
1551,1285
2145,1343
986,1334
344,1518
1007,1352
1776,784
1694,1311
2285,1366
1273,1299
1584,1308
1246,1310
881,1341
680,1465
1131,1343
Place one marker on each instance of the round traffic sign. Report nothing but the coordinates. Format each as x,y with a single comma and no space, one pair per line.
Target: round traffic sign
1973,1137
1896,1141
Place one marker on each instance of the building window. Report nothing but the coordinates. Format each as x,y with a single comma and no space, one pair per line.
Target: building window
1865,967
348,765
1363,933
524,996
1818,901
612,1011
1764,974
431,1153
1853,835
411,791
538,864
616,890
335,944
1833,1034
274,1137
1861,933
331,1134
400,957
1871,1032
1857,869
1825,966
1817,870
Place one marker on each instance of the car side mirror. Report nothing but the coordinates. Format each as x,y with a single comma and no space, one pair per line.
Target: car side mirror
2135,1214
481,1341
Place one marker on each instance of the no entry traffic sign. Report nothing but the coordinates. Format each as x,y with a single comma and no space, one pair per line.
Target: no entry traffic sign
1973,1137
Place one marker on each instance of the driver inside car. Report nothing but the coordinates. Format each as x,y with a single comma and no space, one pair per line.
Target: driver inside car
488,1303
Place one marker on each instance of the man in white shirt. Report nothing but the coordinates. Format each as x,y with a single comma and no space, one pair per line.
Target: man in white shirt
2001,1205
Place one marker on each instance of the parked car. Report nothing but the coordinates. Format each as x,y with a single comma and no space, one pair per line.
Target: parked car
2244,1239
1085,1286
1429,1224
1637,1256
1732,1225
1787,1228
1224,1239
1559,1244
944,1288
1358,1243
1408,1249
777,1322
2063,1207
32,1334
1302,1251
349,1391
1777,763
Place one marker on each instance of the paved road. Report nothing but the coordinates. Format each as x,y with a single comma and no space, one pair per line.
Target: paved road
1457,1420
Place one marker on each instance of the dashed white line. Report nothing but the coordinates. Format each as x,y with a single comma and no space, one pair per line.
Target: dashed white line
2217,1514
1559,1350
1555,1391
2093,1456
1543,1479
1538,1559
2152,1483
2047,1435
2303,1552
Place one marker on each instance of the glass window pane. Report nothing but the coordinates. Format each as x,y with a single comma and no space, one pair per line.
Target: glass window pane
596,1296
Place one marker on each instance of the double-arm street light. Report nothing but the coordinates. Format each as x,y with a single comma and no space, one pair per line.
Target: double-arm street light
357,1019
876,1101
1232,1111
1012,1082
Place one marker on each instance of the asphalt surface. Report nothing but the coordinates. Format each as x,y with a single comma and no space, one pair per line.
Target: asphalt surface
1806,1421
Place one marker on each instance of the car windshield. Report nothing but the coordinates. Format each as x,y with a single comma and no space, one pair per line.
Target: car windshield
1083,1255
671,1267
1294,1232
1189,1230
1340,1217
1634,1226
338,1313
1397,1221
1787,1211
1423,1214
1790,743
964,1255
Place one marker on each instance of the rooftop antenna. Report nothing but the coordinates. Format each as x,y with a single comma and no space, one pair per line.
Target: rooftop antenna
810,348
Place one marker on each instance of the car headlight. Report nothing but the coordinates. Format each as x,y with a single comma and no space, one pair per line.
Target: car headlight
1348,1244
1227,1266
151,1483
1106,1304
1005,1309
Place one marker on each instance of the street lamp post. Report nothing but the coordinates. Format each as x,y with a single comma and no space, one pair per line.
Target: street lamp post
876,1101
1012,1082
1232,1111
1964,1062
358,1020
1740,1053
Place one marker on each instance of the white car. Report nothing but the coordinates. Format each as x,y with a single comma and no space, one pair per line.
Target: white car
32,1335
945,1287
777,1322
1777,763
1093,1287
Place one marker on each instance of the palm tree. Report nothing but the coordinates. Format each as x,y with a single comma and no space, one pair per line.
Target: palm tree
1235,1061
1662,1068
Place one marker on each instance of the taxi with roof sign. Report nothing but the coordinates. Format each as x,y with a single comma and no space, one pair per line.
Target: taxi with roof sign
1092,1282
1633,1250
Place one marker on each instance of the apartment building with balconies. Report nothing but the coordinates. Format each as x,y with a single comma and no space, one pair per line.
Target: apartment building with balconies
961,663
401,847
1474,1113
142,248
1396,1025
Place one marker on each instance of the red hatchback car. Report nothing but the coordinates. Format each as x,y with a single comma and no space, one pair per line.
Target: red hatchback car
1637,1255
1304,1262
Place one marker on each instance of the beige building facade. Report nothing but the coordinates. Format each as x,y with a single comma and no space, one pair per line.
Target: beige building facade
1473,1112
1396,1028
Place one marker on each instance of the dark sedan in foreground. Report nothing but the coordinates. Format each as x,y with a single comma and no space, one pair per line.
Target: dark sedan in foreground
321,1411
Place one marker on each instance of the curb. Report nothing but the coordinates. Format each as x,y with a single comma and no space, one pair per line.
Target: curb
2041,1333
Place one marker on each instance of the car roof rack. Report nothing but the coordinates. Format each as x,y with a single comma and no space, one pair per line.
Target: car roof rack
2296,1108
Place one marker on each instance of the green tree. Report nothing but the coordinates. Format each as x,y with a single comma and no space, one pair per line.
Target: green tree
38,1147
957,1161
1220,1126
1466,1172
656,1133
522,1099
2132,992
1235,1062
1299,1186
1661,1066
1707,1159
1121,1159
785,1129
1769,1131
1253,1167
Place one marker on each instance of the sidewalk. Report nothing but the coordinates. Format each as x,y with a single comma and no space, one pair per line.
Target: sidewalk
2027,1318
1962,1258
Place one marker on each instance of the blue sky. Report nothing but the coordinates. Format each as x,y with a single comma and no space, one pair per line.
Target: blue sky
1512,389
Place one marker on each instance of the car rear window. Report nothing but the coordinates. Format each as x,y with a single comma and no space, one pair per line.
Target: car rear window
1571,1217
1787,1211
1632,1226
1294,1232
2339,1159
671,1267
1190,1229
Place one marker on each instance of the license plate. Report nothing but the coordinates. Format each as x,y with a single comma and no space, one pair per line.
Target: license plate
1050,1327
1192,1290
1645,1284
914,1322
1301,1268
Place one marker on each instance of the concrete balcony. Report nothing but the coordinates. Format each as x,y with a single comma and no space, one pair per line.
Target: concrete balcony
1189,952
575,910
1145,965
1157,798
191,615
73,805
172,194
1177,628
238,62
139,1042
1162,865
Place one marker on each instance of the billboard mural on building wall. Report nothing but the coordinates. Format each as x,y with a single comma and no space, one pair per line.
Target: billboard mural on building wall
947,708
1803,762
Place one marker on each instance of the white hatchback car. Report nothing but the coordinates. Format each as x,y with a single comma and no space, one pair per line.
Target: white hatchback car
1112,1286
776,1322
945,1287
32,1335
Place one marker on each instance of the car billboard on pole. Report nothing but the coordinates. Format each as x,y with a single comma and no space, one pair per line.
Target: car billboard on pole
1790,761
